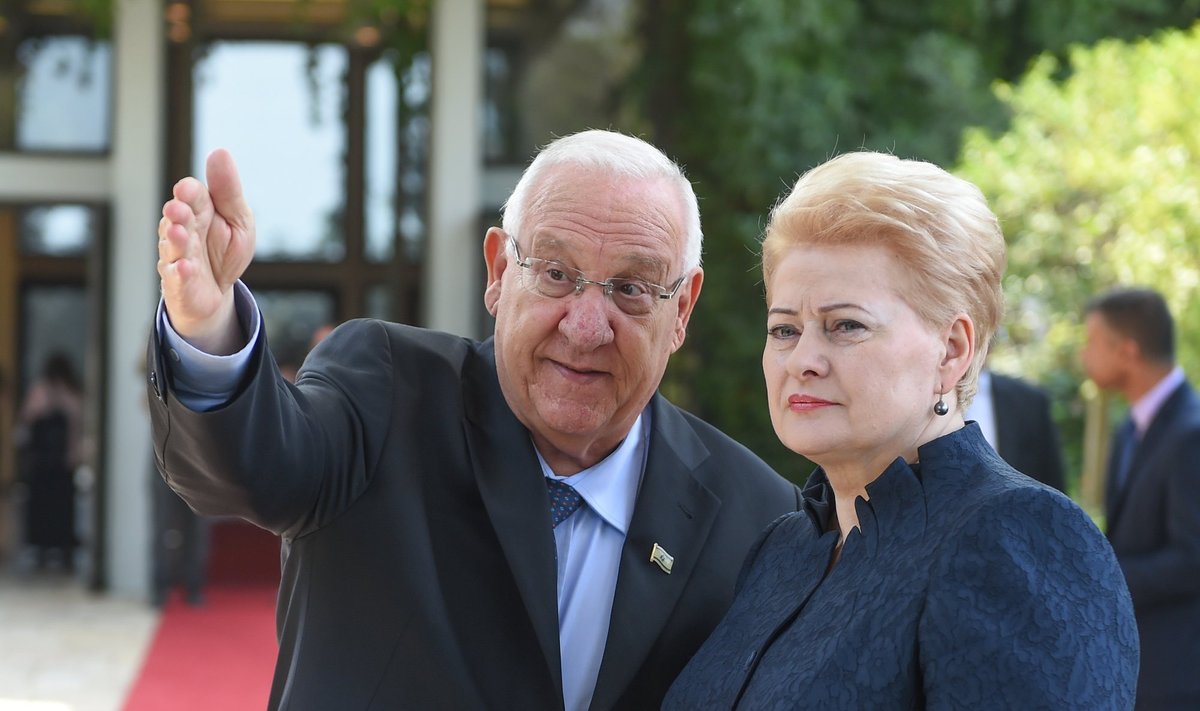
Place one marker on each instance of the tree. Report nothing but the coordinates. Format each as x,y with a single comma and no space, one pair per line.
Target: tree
748,95
1097,184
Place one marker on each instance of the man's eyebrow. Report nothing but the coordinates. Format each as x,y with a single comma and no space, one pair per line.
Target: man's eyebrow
556,248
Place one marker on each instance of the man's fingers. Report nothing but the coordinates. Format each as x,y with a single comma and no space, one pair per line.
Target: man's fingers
176,231
179,211
191,193
172,240
225,186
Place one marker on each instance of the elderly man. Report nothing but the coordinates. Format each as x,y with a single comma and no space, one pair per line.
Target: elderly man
516,523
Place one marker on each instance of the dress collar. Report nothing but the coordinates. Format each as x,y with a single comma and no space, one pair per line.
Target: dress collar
900,485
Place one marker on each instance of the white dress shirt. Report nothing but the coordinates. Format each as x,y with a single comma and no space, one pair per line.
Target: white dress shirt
982,409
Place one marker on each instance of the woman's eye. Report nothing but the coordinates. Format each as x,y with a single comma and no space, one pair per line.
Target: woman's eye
556,274
846,326
782,331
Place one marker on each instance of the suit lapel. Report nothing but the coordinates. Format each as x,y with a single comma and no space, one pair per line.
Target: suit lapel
675,511
1112,495
1163,422
512,486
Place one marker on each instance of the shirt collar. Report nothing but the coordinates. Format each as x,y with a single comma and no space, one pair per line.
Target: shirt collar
610,486
1148,405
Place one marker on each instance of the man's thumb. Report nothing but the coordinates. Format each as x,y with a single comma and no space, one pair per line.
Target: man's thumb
225,187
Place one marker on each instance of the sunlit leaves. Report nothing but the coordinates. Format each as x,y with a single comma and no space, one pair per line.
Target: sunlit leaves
1097,183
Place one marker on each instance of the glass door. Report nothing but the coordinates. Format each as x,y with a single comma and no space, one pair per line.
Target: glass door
51,312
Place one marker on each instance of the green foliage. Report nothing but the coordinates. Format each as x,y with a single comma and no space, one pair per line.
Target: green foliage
1097,184
749,94
99,13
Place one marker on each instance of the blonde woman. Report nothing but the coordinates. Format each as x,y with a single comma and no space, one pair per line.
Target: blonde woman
921,571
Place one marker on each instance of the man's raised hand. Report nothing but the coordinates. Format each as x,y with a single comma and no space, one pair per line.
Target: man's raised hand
205,243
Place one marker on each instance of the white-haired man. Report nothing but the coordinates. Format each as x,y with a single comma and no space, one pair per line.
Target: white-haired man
521,522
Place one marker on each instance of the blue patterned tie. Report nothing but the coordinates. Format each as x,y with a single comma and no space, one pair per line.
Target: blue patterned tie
564,500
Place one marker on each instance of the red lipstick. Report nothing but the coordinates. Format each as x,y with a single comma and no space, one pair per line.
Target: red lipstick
806,403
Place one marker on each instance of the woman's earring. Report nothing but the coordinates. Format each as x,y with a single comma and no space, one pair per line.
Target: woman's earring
940,408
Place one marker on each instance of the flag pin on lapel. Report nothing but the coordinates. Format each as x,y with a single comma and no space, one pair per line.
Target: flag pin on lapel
662,559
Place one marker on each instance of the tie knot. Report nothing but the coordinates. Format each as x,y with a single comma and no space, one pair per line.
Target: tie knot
564,500
1129,427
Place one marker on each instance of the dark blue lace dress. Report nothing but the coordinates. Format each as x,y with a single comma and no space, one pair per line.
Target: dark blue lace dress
969,586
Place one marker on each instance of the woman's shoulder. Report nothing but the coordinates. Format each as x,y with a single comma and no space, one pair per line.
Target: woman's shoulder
984,489
998,519
1023,581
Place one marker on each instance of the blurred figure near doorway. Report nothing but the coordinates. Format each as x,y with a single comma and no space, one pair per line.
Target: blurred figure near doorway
291,356
320,333
7,532
181,545
50,447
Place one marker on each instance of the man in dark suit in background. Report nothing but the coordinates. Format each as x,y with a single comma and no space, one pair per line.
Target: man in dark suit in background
1153,489
1014,416
519,523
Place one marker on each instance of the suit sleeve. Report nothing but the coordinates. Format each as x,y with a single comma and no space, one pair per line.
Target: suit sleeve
1027,609
285,457
1172,571
1052,471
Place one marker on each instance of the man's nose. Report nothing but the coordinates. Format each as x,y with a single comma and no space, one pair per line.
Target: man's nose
587,323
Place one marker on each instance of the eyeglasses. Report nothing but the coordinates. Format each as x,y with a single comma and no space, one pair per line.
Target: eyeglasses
634,297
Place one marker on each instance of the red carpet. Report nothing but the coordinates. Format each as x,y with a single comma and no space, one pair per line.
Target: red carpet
243,553
217,656
220,655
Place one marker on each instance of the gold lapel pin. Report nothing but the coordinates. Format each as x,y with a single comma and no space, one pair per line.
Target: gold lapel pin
662,559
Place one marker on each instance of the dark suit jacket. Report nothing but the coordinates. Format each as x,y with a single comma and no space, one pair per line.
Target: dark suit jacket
966,586
1154,526
418,552
1026,436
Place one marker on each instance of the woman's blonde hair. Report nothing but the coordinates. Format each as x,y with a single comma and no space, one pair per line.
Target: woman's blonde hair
937,225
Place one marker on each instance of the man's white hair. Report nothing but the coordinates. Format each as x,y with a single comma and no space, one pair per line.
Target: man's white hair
619,155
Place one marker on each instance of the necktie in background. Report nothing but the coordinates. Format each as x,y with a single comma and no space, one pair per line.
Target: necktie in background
1126,442
564,500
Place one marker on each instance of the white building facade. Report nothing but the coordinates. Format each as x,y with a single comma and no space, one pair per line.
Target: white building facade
372,186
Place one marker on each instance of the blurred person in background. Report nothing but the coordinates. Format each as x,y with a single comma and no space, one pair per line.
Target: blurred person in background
1152,498
50,447
181,545
922,570
1014,417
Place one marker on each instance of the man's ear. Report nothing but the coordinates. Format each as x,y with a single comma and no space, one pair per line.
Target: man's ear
685,303
959,341
1131,352
495,256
